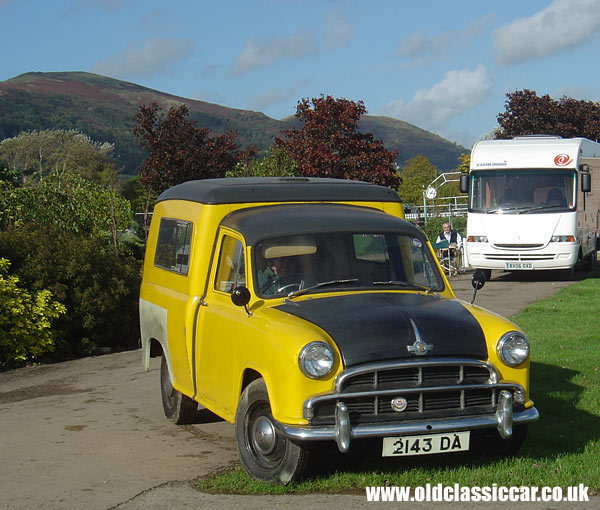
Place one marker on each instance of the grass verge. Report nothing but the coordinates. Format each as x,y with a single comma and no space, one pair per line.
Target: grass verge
562,448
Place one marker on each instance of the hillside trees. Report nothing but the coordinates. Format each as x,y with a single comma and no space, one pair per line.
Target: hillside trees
178,151
527,113
329,144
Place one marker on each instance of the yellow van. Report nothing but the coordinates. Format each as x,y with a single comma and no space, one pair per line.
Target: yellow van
308,310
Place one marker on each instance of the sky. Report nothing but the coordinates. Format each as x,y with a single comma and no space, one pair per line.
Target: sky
445,66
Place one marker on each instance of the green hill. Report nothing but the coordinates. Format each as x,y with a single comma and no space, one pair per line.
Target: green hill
104,108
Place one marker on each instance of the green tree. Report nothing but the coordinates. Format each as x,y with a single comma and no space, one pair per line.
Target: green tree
25,320
68,202
33,155
416,173
276,164
329,143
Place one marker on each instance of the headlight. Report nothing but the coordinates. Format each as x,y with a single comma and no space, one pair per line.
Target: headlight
477,239
315,360
513,348
562,239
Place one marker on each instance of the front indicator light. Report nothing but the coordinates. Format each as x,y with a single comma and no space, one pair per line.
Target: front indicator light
477,239
316,360
513,348
562,239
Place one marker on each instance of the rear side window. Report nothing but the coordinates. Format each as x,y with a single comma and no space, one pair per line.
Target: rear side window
173,245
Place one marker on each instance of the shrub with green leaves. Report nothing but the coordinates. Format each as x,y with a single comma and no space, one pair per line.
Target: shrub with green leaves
25,320
98,287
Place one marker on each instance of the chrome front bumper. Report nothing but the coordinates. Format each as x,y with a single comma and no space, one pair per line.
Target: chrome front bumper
342,431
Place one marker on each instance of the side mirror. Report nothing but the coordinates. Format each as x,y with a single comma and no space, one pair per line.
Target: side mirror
477,281
240,296
463,183
586,180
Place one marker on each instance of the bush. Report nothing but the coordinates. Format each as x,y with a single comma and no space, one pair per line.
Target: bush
99,288
25,320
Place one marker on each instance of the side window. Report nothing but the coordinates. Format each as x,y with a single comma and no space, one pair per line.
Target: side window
173,245
230,271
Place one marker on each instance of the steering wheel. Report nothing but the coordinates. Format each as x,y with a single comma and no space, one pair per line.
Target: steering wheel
288,283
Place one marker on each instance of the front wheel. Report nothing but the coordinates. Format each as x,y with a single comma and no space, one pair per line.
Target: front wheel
265,455
177,407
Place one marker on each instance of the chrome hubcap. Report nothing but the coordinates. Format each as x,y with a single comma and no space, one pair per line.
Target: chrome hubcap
264,436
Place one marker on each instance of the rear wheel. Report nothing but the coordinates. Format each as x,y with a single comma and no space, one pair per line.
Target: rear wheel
177,407
264,453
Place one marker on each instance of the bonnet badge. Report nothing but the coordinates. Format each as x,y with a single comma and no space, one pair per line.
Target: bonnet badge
420,348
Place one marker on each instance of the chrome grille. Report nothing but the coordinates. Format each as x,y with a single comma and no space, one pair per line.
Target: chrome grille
431,389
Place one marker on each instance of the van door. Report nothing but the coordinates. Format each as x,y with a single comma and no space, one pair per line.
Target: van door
217,327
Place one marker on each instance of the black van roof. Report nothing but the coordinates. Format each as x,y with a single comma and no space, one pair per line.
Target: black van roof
256,223
278,189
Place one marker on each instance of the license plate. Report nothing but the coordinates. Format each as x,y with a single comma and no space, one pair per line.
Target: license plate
425,445
519,265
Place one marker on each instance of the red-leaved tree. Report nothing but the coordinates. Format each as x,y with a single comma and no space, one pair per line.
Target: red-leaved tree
178,151
527,113
329,144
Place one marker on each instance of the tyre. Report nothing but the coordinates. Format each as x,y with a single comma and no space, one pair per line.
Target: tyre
567,274
265,455
590,262
488,274
492,444
177,407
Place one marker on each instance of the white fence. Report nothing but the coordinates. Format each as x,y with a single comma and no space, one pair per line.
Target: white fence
448,207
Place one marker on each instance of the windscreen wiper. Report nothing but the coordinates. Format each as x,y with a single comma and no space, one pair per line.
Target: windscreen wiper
404,284
538,208
514,208
330,283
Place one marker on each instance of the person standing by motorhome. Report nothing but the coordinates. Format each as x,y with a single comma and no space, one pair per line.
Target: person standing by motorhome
452,236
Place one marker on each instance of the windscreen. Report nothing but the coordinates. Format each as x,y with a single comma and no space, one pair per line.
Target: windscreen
522,191
343,261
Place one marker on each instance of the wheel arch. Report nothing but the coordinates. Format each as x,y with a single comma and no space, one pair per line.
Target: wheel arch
249,376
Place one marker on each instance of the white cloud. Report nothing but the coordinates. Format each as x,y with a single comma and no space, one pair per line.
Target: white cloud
417,44
563,24
338,30
458,92
259,54
152,58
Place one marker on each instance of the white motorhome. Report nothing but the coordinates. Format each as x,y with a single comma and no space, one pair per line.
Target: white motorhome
531,204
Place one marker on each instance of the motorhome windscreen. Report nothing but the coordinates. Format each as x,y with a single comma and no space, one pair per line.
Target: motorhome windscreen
521,191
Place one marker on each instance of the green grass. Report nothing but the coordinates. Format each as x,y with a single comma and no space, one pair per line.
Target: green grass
562,448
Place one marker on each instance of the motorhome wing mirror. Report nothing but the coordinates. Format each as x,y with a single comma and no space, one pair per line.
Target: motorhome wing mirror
586,179
463,184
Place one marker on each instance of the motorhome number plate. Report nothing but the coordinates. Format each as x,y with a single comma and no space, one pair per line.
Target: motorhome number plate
424,445
519,265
